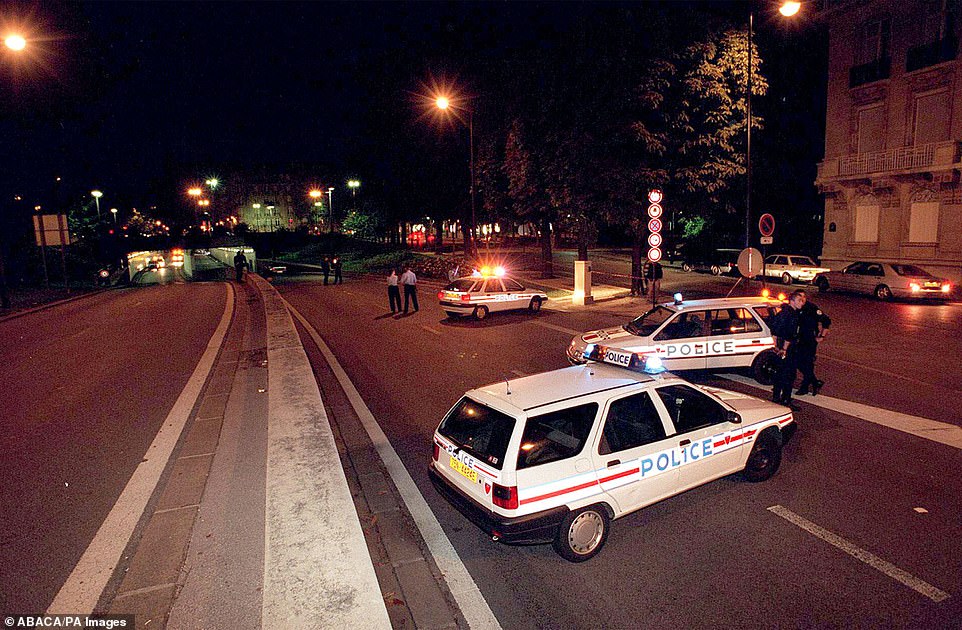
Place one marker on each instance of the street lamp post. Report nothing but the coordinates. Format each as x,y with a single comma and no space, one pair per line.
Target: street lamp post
443,103
114,212
97,195
17,43
787,9
330,208
353,184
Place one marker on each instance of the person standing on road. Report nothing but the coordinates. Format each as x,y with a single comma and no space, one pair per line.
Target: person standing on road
785,329
410,283
813,325
325,269
240,264
393,292
336,266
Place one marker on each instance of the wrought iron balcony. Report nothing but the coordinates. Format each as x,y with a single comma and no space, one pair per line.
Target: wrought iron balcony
925,55
872,71
935,156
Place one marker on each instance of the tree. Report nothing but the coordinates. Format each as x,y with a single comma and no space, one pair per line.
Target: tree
526,189
688,129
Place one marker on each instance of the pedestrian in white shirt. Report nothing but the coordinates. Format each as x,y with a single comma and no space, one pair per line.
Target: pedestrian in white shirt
393,292
410,283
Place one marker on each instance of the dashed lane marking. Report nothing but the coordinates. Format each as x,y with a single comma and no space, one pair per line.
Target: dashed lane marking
462,586
889,569
431,330
941,432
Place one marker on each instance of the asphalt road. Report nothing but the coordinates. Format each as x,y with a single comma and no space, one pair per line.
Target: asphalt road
717,555
86,385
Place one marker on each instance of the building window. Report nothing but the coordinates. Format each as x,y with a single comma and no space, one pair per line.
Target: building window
873,41
866,224
871,129
924,222
935,39
933,111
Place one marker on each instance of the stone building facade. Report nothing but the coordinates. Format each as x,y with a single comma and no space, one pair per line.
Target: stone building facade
890,176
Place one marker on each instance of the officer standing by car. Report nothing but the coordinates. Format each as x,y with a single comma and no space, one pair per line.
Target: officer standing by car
785,329
813,324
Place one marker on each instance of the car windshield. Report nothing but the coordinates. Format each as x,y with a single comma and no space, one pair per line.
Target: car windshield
479,430
647,324
911,270
804,260
462,284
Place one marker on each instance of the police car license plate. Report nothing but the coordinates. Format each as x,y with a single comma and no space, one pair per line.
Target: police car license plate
464,470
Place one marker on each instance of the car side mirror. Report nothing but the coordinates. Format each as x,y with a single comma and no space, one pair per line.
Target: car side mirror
733,417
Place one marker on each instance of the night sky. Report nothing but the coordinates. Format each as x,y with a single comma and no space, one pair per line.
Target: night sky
134,97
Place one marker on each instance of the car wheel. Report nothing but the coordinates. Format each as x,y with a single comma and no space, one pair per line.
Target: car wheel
765,457
480,312
786,279
535,305
765,366
686,267
715,270
822,283
582,533
882,292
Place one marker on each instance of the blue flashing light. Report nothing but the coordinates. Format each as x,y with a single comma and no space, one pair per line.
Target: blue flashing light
654,364
589,350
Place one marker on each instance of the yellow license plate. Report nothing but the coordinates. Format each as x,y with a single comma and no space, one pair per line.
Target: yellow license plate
464,470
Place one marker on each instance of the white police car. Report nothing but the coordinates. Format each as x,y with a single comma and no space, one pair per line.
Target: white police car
487,291
691,335
554,457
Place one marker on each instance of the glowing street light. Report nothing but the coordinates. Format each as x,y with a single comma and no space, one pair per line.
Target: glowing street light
442,102
114,212
788,9
330,208
213,183
315,193
97,195
194,192
15,42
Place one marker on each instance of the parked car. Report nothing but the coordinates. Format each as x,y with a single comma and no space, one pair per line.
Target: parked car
717,262
791,268
885,281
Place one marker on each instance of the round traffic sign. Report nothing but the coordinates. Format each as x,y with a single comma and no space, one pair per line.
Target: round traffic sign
654,210
766,224
750,262
654,239
654,254
654,225
655,195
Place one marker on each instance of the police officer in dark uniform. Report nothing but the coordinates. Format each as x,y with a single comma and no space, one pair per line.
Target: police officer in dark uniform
785,329
325,269
812,326
240,264
336,266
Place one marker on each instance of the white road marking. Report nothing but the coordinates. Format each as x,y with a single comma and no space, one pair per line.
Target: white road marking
462,586
889,569
889,374
553,327
431,330
941,432
318,572
79,594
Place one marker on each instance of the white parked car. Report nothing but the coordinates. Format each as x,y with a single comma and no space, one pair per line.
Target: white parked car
488,291
885,281
555,457
791,268
691,335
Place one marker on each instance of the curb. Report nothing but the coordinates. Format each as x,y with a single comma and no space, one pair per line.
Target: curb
41,307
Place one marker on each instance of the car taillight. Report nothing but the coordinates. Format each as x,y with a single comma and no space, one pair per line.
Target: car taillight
505,496
437,451
466,297
440,297
946,287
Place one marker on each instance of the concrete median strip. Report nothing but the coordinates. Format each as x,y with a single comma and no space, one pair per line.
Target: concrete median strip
83,588
317,570
459,581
